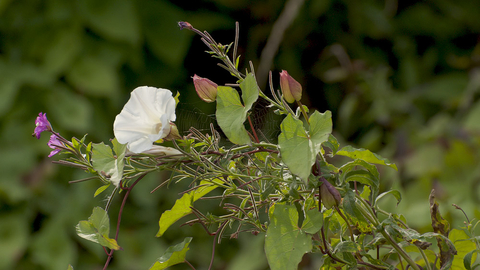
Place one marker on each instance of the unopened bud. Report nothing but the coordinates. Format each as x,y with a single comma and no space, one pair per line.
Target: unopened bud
206,89
185,25
291,89
329,194
173,135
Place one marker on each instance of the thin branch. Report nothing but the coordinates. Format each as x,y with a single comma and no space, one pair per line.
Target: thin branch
215,243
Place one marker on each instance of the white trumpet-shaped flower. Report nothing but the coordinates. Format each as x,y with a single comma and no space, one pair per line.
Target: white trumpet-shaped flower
145,118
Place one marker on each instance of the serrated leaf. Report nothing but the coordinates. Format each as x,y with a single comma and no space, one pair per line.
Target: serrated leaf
97,228
173,255
182,206
299,147
285,243
366,155
231,113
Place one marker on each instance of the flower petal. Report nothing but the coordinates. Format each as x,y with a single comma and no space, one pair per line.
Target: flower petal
145,118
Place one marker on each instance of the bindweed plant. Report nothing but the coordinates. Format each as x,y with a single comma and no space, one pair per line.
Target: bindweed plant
295,192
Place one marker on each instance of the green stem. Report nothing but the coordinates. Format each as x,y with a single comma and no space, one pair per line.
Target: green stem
346,221
424,256
303,112
388,238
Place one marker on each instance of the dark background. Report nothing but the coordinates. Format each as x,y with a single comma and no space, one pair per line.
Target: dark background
401,79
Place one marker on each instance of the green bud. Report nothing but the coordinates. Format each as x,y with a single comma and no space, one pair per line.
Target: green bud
173,134
291,89
206,89
329,194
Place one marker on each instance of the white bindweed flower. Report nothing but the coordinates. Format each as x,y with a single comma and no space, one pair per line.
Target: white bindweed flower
145,118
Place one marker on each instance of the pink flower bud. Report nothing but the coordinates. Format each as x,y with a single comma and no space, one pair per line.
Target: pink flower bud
206,89
291,89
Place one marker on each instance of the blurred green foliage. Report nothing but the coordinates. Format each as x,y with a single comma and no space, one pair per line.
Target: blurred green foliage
401,78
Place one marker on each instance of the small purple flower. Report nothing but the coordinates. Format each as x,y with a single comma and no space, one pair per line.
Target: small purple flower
41,125
54,143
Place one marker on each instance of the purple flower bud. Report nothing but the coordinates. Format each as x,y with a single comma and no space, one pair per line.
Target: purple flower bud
329,194
206,89
54,143
41,125
291,89
185,25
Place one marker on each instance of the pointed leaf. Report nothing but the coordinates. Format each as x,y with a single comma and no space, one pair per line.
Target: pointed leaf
299,147
285,243
101,189
393,192
182,206
173,255
366,155
231,113
97,228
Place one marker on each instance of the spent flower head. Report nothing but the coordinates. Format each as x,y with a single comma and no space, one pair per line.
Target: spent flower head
145,118
41,124
206,89
291,89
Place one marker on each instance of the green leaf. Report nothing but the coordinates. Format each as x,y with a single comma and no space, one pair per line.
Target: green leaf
101,189
332,143
467,260
173,255
70,267
106,164
393,192
299,147
364,177
285,243
231,113
366,155
97,228
462,246
350,207
182,206
346,246
313,221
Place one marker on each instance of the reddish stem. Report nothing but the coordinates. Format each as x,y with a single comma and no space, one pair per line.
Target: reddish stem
120,212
